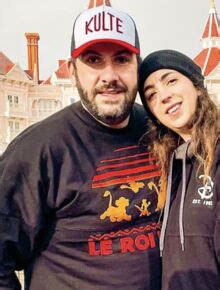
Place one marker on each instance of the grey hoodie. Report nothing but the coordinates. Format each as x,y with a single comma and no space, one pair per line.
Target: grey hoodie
190,235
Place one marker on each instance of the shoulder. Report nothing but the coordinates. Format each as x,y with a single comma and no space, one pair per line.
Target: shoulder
46,132
139,110
217,155
218,149
139,113
137,122
216,169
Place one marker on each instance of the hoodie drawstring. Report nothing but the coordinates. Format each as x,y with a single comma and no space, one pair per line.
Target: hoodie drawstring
183,194
180,153
167,206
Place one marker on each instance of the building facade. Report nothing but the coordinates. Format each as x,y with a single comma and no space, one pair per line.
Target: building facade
24,100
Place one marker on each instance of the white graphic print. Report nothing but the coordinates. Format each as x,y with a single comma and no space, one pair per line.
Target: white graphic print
206,192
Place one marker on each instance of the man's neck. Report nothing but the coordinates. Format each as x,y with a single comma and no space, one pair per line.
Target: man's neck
121,125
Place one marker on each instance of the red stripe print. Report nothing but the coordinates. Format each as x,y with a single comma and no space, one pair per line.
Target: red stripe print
125,148
126,179
126,157
125,164
127,232
124,172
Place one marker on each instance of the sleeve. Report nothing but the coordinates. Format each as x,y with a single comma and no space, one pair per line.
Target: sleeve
217,222
23,208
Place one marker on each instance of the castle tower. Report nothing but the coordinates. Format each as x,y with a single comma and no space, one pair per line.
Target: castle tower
211,34
95,3
209,57
33,58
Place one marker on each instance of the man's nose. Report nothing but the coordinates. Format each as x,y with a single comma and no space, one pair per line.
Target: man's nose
109,73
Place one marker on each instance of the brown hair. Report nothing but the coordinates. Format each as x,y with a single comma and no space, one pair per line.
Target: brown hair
204,136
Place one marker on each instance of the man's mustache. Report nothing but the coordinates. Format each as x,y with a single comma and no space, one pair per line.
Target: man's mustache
111,86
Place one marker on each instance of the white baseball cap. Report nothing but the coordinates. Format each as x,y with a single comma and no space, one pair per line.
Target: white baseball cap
104,24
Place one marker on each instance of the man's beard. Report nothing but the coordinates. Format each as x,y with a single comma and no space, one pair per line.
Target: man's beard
121,111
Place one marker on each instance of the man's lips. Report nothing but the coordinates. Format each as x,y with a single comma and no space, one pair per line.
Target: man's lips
111,91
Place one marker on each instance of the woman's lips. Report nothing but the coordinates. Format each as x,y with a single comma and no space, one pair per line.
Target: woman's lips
173,108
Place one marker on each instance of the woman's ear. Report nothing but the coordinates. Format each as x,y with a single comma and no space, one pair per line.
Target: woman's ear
199,92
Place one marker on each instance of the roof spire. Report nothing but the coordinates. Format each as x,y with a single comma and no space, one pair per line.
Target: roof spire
213,4
96,3
212,26
209,58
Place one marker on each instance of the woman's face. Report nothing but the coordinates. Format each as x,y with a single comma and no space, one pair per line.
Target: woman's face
172,99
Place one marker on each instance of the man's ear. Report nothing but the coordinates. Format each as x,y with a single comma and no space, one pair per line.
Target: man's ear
71,67
71,71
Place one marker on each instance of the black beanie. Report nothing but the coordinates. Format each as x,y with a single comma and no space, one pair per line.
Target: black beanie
168,59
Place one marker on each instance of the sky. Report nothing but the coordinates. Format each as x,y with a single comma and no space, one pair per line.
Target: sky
162,24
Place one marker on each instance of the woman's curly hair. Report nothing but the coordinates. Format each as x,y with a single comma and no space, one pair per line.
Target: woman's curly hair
204,136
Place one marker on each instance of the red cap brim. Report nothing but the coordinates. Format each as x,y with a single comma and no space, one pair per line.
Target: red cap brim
76,52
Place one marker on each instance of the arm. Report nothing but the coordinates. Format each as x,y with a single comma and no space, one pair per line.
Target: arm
217,216
22,210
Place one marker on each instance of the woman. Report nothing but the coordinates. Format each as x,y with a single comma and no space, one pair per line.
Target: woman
185,129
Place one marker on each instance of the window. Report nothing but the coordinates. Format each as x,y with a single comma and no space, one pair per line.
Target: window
10,99
14,126
72,100
47,105
13,100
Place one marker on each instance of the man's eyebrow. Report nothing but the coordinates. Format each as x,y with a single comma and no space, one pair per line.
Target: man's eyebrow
162,78
90,52
124,51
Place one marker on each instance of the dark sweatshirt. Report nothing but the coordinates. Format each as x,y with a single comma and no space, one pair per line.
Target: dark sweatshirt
191,248
78,206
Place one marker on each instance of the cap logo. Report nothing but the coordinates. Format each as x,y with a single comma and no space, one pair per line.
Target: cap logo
103,21
103,24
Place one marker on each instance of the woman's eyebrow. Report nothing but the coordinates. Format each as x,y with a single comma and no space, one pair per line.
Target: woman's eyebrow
162,78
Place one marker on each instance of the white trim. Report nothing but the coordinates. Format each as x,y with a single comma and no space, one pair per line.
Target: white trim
206,60
210,26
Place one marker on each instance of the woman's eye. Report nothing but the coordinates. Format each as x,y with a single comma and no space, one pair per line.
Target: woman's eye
150,96
171,81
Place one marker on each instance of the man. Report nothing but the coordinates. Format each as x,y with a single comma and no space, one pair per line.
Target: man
78,203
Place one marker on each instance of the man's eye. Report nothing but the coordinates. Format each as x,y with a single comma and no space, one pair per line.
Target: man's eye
122,59
92,59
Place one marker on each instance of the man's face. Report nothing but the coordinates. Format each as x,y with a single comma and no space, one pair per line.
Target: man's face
106,78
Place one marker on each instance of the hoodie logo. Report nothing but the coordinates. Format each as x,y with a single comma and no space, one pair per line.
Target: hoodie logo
205,192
